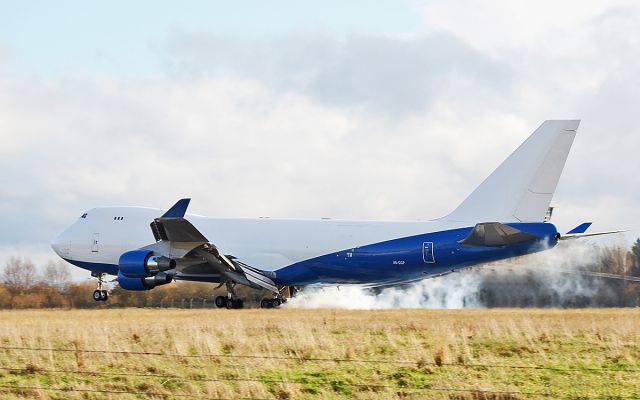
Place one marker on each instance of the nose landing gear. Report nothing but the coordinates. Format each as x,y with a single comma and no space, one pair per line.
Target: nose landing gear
100,294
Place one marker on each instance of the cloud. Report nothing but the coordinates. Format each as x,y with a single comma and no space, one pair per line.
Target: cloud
385,74
496,26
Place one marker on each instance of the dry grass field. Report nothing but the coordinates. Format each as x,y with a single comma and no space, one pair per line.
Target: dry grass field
298,354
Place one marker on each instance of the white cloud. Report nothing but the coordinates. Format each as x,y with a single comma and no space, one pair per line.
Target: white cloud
496,25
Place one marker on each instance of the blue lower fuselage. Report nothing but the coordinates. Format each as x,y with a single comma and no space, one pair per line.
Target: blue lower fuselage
410,258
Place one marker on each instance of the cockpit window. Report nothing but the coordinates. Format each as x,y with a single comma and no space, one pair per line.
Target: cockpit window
83,215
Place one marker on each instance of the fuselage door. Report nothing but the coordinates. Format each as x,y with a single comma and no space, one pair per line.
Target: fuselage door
95,242
427,253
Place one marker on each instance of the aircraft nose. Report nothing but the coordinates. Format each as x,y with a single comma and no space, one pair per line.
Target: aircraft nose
58,245
55,245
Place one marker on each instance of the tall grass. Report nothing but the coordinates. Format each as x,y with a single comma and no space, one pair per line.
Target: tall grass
322,353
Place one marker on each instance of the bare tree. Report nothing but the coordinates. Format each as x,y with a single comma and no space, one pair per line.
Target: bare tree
614,259
57,274
634,255
19,273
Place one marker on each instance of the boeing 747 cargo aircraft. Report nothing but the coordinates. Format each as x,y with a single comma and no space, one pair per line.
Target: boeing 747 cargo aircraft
504,217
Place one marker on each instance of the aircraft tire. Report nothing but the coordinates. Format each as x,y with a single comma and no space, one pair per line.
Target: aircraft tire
265,303
221,301
104,295
275,303
97,296
238,303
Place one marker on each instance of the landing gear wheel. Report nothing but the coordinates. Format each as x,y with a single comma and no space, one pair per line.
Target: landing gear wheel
238,303
270,303
97,295
221,301
104,295
229,304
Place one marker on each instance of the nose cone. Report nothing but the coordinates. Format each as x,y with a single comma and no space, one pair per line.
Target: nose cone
60,246
55,245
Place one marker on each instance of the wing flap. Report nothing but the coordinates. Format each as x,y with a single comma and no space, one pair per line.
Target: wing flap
260,280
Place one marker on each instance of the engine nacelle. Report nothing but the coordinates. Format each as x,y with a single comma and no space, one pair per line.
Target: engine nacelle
143,264
147,283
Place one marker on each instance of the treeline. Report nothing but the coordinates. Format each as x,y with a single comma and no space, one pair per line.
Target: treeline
23,285
565,281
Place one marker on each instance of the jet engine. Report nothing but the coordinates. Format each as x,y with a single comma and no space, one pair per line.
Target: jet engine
142,270
148,283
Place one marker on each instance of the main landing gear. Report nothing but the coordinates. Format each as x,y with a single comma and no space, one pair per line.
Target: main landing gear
278,299
230,301
271,303
100,294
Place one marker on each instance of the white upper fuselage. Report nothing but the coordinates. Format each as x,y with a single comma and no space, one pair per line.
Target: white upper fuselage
265,243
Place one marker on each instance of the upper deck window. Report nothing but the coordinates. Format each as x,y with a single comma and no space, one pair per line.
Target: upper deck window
83,215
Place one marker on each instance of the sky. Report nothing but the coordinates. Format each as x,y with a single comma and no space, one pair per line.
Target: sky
344,109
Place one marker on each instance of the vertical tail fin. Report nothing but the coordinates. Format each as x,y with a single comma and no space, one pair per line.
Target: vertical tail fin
521,188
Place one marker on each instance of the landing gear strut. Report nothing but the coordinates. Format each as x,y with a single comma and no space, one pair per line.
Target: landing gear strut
100,294
230,301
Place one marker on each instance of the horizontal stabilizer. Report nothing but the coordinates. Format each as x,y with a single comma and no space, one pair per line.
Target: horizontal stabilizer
582,228
581,235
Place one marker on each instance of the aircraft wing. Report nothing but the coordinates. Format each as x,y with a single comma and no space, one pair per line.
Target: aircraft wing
197,258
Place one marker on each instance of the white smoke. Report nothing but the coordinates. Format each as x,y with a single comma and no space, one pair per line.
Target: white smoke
550,278
456,290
